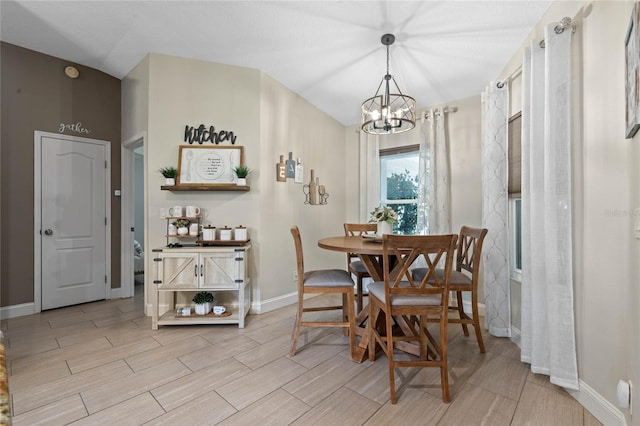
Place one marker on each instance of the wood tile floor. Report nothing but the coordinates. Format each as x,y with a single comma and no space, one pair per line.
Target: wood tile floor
100,363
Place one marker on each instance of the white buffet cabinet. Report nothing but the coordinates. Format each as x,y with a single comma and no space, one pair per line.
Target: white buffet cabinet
219,270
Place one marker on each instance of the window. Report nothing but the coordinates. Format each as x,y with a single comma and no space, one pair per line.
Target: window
515,200
399,185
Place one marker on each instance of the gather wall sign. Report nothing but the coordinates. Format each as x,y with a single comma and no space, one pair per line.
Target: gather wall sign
202,134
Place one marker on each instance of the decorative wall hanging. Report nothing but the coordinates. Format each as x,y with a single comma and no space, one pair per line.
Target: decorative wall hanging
200,165
315,194
281,170
291,166
201,134
73,127
299,175
632,59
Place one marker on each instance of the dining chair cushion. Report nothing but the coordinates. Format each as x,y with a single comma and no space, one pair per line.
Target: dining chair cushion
457,278
358,266
377,289
327,278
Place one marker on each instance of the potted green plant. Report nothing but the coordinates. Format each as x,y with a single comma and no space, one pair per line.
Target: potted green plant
183,226
384,217
169,174
242,172
203,301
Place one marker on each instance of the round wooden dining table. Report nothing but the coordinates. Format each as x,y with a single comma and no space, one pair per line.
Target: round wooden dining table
368,250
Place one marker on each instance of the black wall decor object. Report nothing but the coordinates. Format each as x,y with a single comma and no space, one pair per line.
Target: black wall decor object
201,135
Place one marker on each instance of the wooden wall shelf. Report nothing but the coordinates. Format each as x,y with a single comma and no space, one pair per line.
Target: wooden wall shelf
204,188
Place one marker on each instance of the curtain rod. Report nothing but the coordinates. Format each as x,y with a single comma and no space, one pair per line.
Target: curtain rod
446,110
558,29
510,77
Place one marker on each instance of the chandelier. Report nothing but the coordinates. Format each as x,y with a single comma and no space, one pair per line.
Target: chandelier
388,113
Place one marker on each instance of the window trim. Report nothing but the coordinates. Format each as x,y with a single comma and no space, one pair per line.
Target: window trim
514,272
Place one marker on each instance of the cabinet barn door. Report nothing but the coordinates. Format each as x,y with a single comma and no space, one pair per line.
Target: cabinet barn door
221,269
179,270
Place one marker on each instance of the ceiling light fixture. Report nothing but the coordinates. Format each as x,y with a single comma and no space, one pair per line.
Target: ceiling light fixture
388,112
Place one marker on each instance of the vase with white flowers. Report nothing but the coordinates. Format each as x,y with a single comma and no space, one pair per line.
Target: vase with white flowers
384,217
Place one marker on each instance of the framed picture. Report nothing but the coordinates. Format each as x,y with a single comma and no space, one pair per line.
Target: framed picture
632,87
204,165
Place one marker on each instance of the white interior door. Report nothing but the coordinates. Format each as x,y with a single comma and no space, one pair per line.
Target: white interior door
73,220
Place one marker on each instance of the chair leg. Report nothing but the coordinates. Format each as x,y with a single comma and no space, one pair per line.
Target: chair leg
371,331
392,379
359,297
296,327
461,313
476,321
346,309
444,369
352,324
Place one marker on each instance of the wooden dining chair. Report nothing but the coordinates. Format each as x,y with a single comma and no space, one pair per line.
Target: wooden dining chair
465,278
323,281
411,303
354,264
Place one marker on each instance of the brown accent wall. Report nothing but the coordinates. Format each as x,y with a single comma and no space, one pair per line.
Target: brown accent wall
37,95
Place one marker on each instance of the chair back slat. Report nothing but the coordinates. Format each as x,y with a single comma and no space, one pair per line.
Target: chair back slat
295,232
469,253
358,229
402,251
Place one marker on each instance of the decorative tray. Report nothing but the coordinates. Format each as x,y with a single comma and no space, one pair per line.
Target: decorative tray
222,242
372,238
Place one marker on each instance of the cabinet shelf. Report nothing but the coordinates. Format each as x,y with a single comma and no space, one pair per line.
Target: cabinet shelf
221,187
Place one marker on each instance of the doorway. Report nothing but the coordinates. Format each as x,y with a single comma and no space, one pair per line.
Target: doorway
72,220
133,251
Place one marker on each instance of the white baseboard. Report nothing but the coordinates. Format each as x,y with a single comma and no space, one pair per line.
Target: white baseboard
20,310
116,293
263,306
601,409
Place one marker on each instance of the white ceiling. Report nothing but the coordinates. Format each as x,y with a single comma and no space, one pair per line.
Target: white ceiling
329,52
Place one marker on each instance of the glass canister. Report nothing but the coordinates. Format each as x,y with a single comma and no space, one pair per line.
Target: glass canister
225,233
208,233
240,233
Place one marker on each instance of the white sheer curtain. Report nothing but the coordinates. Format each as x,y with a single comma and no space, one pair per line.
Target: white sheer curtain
495,251
369,174
548,336
434,189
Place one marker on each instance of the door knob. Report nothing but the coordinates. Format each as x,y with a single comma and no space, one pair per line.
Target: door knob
48,232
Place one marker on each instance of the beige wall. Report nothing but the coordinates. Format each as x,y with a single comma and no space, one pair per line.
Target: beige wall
605,181
268,120
289,123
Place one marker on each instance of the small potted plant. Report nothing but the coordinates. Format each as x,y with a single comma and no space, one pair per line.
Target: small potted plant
384,217
169,174
242,172
182,225
203,301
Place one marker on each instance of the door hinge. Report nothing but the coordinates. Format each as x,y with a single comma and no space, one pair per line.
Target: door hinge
239,259
239,281
105,221
105,279
157,259
106,164
157,282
